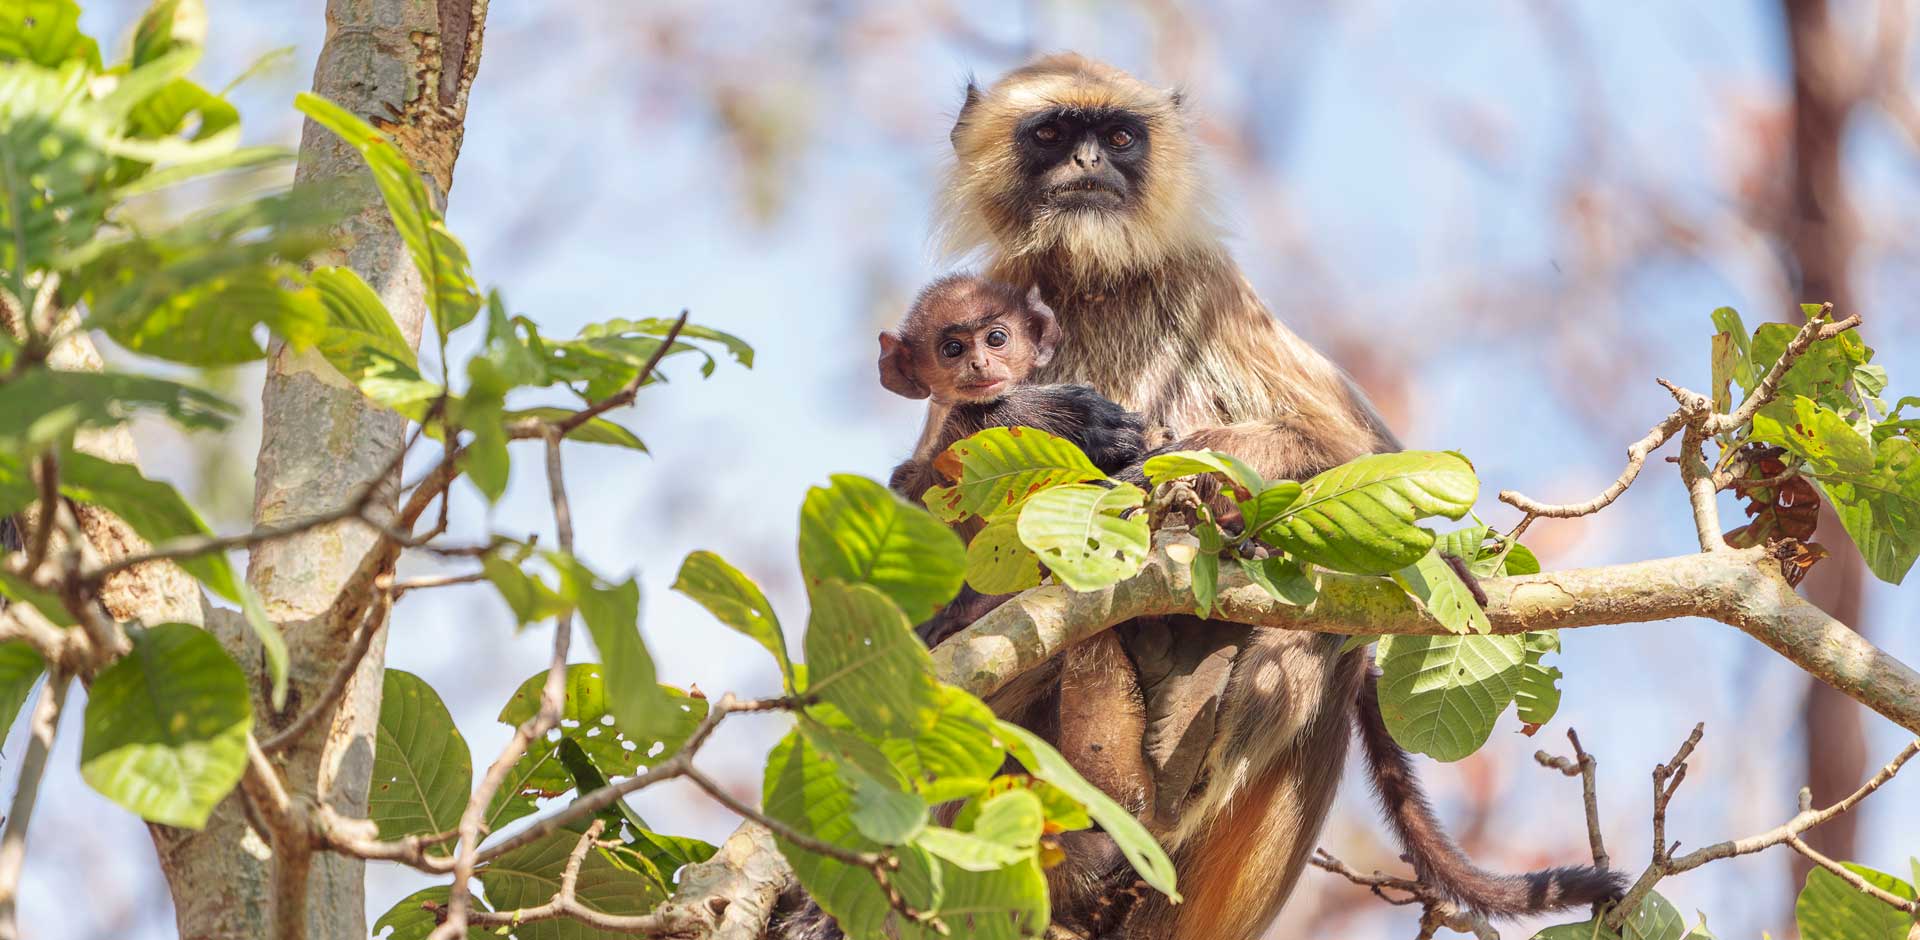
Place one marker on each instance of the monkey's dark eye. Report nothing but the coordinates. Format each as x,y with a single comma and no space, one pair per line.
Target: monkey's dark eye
1047,133
997,337
1119,138
952,348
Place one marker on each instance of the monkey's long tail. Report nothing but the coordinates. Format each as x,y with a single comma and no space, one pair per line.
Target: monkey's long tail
1440,863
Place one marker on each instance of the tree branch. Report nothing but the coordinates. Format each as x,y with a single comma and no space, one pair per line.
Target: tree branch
1742,588
1583,766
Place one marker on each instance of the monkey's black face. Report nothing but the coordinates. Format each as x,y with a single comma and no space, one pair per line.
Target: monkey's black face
1082,160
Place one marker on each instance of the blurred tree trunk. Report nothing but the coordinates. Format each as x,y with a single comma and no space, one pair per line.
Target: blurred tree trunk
1818,227
407,66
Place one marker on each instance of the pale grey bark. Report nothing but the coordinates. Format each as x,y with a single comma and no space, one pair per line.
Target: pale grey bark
406,65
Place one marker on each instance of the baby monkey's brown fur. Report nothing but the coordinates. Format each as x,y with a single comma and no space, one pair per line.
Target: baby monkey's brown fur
970,345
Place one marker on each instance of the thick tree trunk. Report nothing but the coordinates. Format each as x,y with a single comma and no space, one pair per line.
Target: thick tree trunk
406,65
1819,230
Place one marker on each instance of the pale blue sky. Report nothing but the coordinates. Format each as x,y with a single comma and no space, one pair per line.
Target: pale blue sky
1398,185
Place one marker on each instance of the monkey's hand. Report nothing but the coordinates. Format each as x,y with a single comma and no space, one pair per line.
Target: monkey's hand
1112,437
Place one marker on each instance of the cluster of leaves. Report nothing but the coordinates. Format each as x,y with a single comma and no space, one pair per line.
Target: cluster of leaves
1828,424
881,741
1045,509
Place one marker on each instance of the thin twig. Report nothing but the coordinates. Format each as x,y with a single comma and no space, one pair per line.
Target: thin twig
566,903
1582,765
1437,910
1859,884
1665,864
13,844
1814,330
626,394
49,512
552,703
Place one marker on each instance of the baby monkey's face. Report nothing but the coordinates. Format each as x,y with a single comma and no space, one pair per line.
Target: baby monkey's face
978,358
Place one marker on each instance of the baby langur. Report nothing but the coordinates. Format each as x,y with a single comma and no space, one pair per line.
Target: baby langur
969,344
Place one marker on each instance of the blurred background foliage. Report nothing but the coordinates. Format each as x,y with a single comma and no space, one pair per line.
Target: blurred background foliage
1506,218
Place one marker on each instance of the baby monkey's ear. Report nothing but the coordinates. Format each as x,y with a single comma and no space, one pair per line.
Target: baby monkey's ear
896,368
1046,328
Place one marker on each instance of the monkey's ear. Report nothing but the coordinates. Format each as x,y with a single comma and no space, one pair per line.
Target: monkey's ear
1179,98
1046,328
896,368
966,109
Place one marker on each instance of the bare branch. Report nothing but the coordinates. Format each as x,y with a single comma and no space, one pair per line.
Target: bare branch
13,844
1813,331
1667,778
1583,766
1437,910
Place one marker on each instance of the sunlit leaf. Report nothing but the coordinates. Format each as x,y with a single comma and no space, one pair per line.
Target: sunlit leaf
863,659
1441,695
1080,535
856,530
1831,909
1360,517
166,726
736,601
1438,588
422,770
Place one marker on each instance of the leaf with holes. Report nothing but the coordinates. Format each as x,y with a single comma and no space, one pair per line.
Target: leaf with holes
1360,517
422,770
997,562
1441,695
166,726
1000,467
1079,534
530,876
857,531
642,707
411,920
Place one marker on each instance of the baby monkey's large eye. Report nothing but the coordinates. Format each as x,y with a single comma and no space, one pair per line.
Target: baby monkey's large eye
1119,138
996,337
952,348
1047,133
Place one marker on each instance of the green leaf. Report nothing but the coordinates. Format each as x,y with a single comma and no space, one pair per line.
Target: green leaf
1732,357
1281,577
669,854
640,705
1438,588
959,745
1078,532
1360,517
1817,435
1004,831
596,431
864,659
422,770
1881,509
1000,467
20,668
585,719
1537,695
1262,510
452,297
804,789
530,876
56,148
1149,861
660,326
1206,582
1063,811
882,811
1441,695
998,563
45,32
1187,463
857,531
356,322
1831,909
1822,373
1657,919
157,512
733,599
44,406
525,593
410,919
166,726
